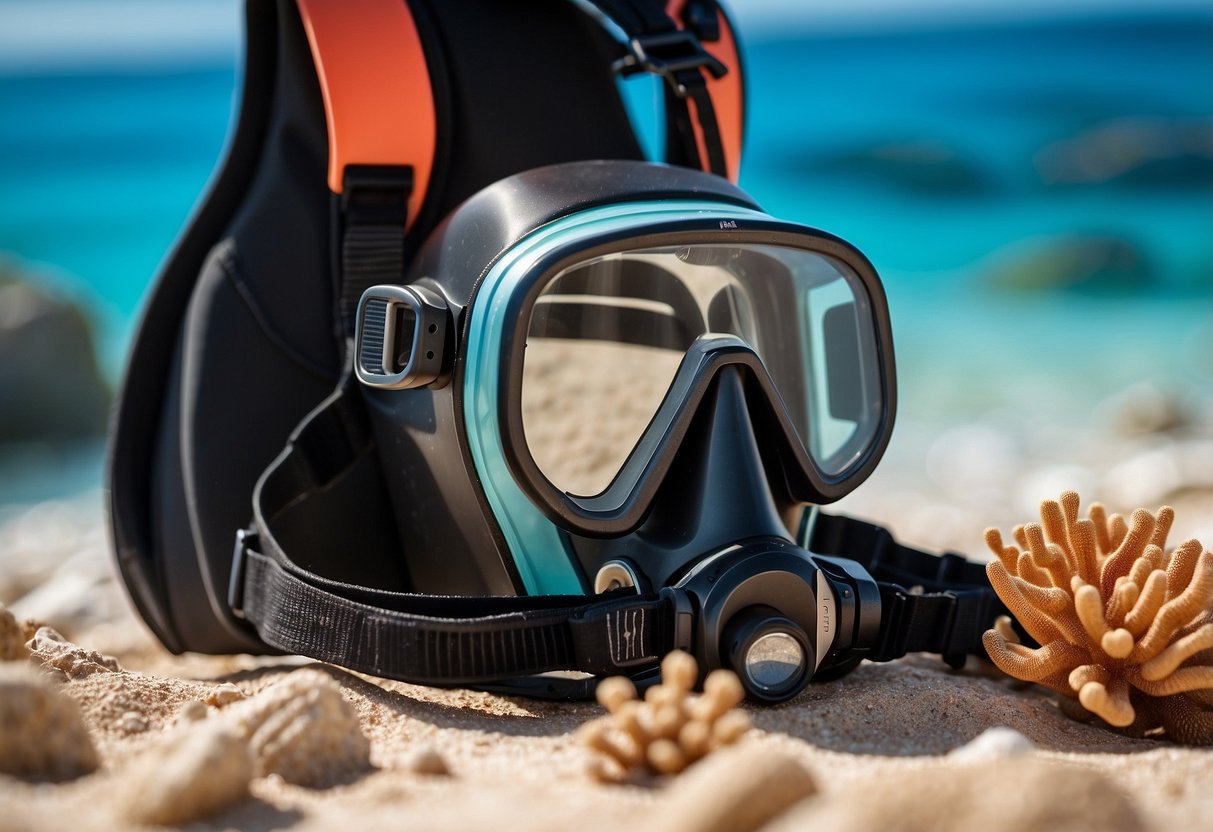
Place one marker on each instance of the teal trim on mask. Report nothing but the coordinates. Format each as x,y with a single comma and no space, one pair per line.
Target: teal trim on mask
534,541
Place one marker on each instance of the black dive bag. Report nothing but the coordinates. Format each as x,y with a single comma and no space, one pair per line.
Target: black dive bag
242,335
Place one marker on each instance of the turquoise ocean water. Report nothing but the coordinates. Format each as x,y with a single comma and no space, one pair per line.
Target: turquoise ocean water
931,149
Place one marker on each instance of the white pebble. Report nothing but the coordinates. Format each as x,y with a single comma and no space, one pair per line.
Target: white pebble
996,743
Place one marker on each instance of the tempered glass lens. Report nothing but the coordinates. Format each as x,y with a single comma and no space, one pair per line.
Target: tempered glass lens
606,338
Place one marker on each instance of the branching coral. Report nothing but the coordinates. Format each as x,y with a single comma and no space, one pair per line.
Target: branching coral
1124,626
671,727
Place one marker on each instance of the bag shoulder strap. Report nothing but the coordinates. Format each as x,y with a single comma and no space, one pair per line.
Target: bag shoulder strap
382,120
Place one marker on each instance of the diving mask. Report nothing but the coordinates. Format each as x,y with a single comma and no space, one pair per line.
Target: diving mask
626,379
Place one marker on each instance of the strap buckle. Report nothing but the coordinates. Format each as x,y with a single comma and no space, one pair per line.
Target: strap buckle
235,587
377,194
970,616
672,55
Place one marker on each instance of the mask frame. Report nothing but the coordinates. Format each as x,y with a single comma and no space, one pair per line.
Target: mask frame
621,507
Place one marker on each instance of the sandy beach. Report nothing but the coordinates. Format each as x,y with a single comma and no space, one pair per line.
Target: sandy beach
900,745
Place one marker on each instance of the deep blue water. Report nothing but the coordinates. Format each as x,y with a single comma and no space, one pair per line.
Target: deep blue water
99,171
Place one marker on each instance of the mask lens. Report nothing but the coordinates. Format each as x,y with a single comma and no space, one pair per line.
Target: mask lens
606,338
604,343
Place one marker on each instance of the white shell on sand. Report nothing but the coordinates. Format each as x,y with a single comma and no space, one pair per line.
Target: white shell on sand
192,774
997,743
303,730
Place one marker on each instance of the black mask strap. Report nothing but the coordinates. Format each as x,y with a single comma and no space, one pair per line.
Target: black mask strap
929,603
503,642
425,639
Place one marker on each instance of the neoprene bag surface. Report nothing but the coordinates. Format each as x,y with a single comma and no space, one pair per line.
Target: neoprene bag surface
239,338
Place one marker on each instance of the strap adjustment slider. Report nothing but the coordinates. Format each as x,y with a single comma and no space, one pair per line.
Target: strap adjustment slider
245,538
376,194
676,56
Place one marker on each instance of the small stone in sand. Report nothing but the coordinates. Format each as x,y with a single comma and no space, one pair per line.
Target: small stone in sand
195,773
428,761
225,694
12,637
57,653
42,735
132,723
192,711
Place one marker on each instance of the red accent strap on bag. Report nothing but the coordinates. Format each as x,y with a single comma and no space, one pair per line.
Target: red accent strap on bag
378,100
727,92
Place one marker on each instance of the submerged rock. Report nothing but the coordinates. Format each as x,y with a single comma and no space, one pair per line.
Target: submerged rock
50,382
1087,264
918,166
1140,153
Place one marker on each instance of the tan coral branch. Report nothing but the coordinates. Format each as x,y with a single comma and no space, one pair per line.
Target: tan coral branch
1124,626
1039,626
1182,566
1118,529
1085,674
1029,664
1181,681
1049,557
1089,607
1109,702
1070,502
1166,516
1129,550
1166,662
1083,538
1197,598
1124,596
1057,531
1099,519
1149,602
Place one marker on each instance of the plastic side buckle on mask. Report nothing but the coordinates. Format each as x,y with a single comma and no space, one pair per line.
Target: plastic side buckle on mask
235,587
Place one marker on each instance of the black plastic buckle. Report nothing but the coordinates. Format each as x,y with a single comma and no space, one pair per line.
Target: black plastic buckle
683,618
376,194
969,616
245,538
675,56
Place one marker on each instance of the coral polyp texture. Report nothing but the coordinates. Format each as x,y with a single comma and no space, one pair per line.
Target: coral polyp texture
1125,626
671,727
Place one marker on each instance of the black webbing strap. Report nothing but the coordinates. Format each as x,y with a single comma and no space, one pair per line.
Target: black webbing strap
417,638
929,603
657,45
539,634
373,215
451,640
